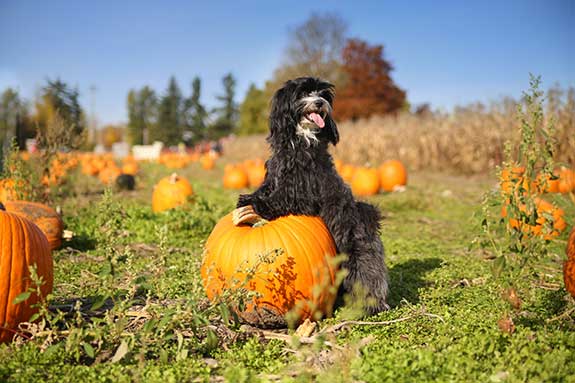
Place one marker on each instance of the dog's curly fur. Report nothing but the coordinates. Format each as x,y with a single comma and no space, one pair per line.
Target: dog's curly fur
301,180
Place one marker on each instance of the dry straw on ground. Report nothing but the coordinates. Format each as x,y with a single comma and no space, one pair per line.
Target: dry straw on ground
470,140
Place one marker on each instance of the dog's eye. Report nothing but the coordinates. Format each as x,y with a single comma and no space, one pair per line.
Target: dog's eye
327,96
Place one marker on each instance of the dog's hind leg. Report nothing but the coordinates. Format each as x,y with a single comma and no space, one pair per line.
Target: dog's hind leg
355,229
367,274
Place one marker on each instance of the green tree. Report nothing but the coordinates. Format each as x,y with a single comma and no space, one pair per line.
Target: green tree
253,112
58,98
227,114
195,113
142,114
14,122
170,116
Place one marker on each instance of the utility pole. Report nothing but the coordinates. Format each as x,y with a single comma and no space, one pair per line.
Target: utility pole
92,132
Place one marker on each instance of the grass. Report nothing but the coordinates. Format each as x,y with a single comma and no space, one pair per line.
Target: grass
128,304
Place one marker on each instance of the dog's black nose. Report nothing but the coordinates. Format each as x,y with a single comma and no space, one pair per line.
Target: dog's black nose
318,103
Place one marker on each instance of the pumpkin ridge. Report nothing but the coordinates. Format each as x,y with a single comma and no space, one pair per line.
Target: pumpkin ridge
11,268
8,264
288,230
232,256
288,248
322,264
24,271
291,230
285,251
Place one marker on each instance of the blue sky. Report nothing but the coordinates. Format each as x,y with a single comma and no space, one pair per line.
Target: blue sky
445,52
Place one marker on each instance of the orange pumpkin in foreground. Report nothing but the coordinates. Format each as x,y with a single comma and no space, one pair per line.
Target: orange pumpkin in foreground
46,218
170,192
288,262
392,175
22,244
569,265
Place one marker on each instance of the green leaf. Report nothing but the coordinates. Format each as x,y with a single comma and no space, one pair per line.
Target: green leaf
89,350
21,297
498,266
100,300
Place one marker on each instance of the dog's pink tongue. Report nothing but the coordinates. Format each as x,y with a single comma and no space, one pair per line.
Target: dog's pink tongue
317,119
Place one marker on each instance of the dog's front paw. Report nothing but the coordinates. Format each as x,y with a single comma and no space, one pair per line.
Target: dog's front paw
246,214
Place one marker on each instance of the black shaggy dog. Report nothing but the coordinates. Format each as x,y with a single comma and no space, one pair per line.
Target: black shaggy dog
301,180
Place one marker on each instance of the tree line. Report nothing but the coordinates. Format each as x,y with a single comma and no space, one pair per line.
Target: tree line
320,46
56,104
174,118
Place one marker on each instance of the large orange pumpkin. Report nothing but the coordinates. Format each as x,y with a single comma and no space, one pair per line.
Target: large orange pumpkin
235,178
569,265
288,262
22,245
46,218
392,175
365,182
170,192
542,207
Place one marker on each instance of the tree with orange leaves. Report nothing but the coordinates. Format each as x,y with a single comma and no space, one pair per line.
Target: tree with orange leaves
368,88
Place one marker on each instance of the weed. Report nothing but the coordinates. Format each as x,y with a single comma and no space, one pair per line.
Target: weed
515,226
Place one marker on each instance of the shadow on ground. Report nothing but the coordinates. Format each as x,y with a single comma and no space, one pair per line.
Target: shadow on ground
407,278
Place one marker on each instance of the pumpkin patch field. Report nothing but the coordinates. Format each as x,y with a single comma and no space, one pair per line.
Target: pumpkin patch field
129,299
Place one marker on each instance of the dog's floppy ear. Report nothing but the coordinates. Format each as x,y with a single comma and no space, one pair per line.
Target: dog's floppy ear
282,117
331,131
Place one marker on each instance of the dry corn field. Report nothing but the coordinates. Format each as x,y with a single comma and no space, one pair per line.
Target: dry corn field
469,140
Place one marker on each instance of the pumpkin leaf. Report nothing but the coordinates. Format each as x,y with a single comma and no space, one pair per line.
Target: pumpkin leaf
22,297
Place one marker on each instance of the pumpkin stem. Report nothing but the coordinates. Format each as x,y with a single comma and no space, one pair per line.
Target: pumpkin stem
174,178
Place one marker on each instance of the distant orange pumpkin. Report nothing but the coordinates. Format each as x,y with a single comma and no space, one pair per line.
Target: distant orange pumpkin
235,178
566,180
365,182
256,175
170,192
207,162
392,175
